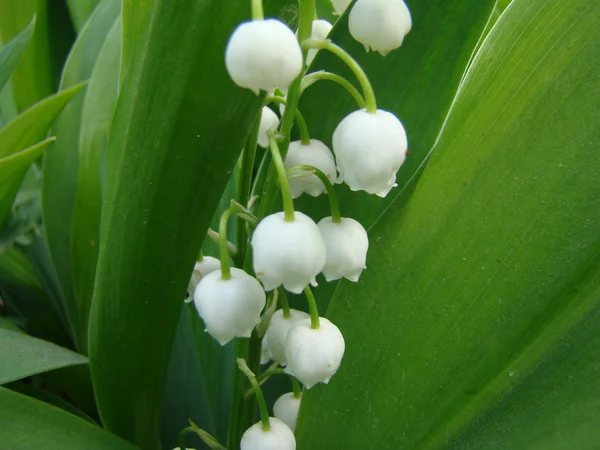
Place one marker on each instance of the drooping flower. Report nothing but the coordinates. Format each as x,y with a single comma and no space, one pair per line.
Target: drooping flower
268,122
346,245
286,409
265,353
263,54
369,150
315,154
379,25
288,253
320,30
279,437
339,6
202,268
278,330
230,308
314,355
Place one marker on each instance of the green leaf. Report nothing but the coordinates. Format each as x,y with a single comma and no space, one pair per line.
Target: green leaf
480,302
32,125
12,171
178,130
23,356
80,10
61,166
30,424
32,80
11,53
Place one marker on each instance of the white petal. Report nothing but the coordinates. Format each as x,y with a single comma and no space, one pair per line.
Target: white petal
340,6
315,154
279,437
286,409
320,30
268,122
278,330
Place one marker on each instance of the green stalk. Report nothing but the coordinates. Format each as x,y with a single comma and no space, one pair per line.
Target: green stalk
223,248
333,201
262,405
300,122
360,74
257,10
284,185
312,78
312,308
285,305
296,388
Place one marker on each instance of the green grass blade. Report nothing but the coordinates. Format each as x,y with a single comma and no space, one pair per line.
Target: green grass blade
33,79
61,167
179,127
478,285
80,10
23,356
30,424
11,53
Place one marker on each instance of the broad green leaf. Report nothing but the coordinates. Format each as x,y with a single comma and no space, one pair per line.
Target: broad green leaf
482,280
61,167
12,171
32,125
31,424
97,113
179,127
23,356
80,10
11,53
32,80
15,267
417,82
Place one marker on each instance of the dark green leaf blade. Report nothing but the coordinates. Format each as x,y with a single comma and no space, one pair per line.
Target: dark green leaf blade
178,130
23,356
30,424
11,53
480,271
80,10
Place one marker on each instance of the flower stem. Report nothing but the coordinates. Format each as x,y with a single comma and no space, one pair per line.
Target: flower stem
312,78
333,201
296,388
285,305
257,10
286,195
371,103
312,307
182,435
300,122
223,247
262,405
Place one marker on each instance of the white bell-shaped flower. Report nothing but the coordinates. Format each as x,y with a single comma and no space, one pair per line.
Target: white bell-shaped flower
230,308
288,253
320,30
315,154
268,122
369,150
278,330
379,25
279,437
314,355
202,268
286,409
339,6
346,245
263,54
265,353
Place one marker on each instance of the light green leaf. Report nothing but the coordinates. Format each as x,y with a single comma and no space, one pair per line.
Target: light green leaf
23,356
12,171
178,130
61,167
80,10
480,298
32,125
11,53
30,424
32,80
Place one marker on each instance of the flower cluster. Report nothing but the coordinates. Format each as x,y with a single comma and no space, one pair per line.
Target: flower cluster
289,250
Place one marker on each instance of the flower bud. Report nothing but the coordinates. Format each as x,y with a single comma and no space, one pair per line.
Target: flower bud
314,154
263,54
379,24
346,245
279,437
268,122
265,353
202,268
230,308
288,253
320,30
339,6
278,330
286,409
314,355
369,150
